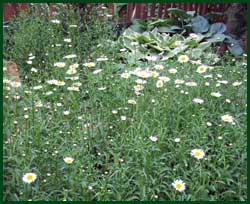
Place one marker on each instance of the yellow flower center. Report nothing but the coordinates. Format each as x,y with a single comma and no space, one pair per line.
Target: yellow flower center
197,154
183,58
178,186
154,74
68,161
29,177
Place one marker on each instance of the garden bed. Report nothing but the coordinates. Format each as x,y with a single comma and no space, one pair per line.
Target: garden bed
94,117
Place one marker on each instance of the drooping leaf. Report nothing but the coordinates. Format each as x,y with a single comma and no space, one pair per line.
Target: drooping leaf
174,27
162,22
217,38
165,29
175,51
127,44
204,45
199,24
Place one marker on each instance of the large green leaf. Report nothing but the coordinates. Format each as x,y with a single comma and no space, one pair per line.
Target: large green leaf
199,24
137,28
234,46
204,45
127,44
217,38
165,29
170,41
191,42
162,22
144,39
217,28
175,51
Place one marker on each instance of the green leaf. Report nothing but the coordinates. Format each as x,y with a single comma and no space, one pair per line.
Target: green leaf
235,48
127,43
217,28
199,24
180,13
175,51
196,53
162,22
174,27
217,38
137,28
204,45
165,29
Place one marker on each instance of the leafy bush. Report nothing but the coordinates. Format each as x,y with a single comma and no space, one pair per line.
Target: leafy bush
32,33
185,23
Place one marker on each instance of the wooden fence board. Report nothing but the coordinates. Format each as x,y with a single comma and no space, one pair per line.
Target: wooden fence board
142,11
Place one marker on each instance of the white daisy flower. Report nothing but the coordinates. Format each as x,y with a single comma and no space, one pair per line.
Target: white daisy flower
15,84
66,112
29,177
68,40
164,78
172,71
55,21
183,58
153,138
71,71
68,160
123,117
237,83
198,153
227,118
201,69
179,185
191,83
179,81
97,71
158,67
198,100
70,56
60,64
159,84
216,94
74,66
89,64
131,101
125,75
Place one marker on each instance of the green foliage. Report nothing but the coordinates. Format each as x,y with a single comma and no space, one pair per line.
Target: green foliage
32,33
184,23
217,28
108,136
200,24
234,46
181,13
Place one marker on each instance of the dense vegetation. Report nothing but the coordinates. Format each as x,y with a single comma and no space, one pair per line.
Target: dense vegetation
98,119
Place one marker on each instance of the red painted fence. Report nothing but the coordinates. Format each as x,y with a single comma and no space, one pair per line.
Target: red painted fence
159,10
10,10
136,10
